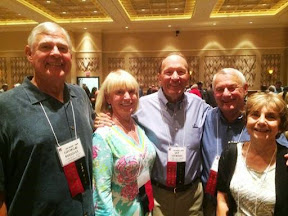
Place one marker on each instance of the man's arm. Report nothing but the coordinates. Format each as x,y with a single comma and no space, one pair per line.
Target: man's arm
3,209
222,204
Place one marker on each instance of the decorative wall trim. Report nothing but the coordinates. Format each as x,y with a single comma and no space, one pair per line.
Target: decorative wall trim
88,64
20,68
3,71
116,63
244,63
270,62
145,69
193,62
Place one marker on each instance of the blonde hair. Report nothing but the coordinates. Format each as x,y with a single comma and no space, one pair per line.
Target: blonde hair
114,81
272,101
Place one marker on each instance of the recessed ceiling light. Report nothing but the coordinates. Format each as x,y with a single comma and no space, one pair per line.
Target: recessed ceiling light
142,9
169,26
250,22
64,12
83,0
214,24
176,8
19,14
126,27
48,2
85,28
95,11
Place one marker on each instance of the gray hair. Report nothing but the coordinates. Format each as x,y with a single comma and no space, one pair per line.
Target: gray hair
231,71
47,28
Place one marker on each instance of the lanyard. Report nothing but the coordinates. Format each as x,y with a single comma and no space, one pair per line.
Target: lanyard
57,142
167,128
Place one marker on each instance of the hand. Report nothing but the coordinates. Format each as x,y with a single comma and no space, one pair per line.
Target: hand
104,119
286,157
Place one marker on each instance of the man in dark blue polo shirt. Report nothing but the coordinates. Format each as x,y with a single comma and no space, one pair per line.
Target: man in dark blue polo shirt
45,134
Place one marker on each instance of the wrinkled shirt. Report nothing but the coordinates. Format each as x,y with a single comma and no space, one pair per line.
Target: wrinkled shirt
179,124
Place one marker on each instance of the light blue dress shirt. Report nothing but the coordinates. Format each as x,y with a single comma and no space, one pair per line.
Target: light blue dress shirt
169,124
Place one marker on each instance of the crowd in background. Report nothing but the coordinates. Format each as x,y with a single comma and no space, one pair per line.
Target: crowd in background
174,151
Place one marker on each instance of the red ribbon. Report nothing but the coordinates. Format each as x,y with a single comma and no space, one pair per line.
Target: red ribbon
73,179
171,174
149,192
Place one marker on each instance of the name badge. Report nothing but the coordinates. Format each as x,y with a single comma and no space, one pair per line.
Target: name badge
215,163
143,178
70,152
177,154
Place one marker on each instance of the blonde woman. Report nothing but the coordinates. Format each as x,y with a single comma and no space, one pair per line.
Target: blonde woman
122,154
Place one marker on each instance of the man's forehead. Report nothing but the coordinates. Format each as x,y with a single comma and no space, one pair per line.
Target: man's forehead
228,79
175,60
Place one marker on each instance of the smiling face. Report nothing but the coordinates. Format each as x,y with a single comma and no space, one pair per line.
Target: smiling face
123,102
174,77
263,124
229,92
50,56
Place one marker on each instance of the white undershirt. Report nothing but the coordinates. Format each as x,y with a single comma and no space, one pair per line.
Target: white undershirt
254,192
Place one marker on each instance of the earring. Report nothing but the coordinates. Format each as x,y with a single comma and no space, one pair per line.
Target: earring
109,106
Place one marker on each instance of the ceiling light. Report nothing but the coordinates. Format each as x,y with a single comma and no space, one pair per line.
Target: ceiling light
126,27
176,8
48,2
169,26
64,12
19,14
250,22
83,0
214,24
142,9
95,11
84,28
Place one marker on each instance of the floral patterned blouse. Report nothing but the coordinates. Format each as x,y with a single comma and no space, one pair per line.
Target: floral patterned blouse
117,162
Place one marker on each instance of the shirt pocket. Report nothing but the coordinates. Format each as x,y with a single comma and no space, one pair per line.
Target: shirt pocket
193,138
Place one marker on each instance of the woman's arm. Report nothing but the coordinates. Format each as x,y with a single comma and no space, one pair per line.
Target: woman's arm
102,175
222,204
3,210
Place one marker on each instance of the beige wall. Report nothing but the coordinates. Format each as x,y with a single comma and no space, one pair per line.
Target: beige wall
99,47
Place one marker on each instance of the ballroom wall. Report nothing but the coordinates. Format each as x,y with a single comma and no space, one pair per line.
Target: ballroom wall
252,51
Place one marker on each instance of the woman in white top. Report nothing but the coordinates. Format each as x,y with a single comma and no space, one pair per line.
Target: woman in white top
252,176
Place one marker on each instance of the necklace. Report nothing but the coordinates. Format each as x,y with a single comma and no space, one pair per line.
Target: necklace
130,131
262,178
126,129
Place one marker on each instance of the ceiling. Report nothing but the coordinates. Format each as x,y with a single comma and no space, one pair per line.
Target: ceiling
143,15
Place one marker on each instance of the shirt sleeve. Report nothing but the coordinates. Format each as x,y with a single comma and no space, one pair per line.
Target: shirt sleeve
226,168
102,175
221,179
